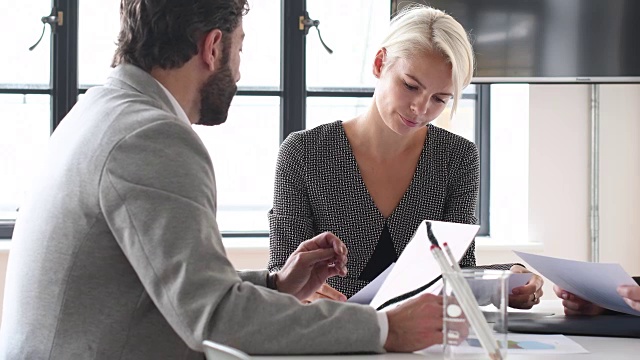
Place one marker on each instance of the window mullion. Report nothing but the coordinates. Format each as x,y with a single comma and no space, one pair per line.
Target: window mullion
64,61
293,65
483,127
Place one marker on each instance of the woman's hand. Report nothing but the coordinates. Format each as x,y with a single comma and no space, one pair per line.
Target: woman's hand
574,305
524,297
326,292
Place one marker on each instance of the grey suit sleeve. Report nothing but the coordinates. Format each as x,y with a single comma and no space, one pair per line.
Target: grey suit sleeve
256,277
157,194
290,220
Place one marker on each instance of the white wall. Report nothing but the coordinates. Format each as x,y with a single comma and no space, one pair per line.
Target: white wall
4,256
559,175
559,180
620,176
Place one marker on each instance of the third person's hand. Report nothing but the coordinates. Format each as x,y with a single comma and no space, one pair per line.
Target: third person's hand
574,305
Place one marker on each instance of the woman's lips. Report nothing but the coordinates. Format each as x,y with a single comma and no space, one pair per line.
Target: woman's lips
408,122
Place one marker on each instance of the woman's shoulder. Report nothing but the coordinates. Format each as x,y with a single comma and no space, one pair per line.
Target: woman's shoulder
324,130
315,137
445,139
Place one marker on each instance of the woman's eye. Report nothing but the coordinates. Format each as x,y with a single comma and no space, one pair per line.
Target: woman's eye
440,100
410,87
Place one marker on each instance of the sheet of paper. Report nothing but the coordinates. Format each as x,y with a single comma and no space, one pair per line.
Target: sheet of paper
522,344
517,279
416,266
595,282
367,293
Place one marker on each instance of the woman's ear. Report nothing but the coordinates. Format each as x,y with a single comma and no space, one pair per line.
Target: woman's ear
211,50
378,62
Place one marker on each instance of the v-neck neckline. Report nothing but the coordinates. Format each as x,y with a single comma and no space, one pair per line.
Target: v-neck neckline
360,180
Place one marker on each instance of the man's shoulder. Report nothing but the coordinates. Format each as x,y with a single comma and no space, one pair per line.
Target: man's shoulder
121,112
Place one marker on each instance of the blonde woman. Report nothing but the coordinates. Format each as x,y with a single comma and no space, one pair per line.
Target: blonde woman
373,179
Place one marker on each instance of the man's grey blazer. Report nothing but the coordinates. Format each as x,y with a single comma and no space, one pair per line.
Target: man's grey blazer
117,254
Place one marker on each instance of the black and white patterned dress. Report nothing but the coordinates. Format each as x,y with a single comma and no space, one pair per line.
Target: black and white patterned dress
318,187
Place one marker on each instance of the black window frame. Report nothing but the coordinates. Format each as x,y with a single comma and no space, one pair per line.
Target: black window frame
64,90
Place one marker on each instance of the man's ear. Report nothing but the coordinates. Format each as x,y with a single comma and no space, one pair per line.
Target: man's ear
212,48
378,62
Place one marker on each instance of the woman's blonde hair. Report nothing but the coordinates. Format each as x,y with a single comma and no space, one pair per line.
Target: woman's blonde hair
418,28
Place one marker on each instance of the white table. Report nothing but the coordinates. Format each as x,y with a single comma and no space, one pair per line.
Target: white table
600,348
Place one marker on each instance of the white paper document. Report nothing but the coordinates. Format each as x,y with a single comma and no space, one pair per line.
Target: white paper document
366,294
528,344
594,282
416,266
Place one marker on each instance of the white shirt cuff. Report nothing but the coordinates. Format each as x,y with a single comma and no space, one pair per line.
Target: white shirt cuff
383,322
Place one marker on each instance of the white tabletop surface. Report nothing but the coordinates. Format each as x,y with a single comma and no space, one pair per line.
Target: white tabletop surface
599,348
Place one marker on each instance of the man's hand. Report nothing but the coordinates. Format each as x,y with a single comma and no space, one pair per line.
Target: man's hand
326,292
630,295
524,297
415,325
311,265
574,305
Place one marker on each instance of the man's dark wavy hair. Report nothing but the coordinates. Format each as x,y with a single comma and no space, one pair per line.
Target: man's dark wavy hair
166,33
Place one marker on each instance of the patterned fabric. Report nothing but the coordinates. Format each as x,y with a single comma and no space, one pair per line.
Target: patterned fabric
318,187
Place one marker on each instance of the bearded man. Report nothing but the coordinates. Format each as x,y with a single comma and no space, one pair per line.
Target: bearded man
117,254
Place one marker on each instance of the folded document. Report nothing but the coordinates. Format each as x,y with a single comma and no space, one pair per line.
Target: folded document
416,269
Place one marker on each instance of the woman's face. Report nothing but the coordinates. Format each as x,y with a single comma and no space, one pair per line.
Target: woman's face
412,92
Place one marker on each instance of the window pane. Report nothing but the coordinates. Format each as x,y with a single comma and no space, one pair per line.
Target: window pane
244,152
21,27
509,161
260,66
24,133
100,22
353,30
98,26
322,110
463,122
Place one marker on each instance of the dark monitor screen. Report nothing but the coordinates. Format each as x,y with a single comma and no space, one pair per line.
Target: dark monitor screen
566,41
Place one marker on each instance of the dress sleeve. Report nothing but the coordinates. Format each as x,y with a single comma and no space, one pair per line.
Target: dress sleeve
290,221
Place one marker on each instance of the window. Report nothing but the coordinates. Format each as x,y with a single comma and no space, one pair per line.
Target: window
24,133
243,151
289,82
352,29
98,26
340,84
24,105
509,162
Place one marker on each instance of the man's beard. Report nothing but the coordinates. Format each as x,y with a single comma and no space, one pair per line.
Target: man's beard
215,97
